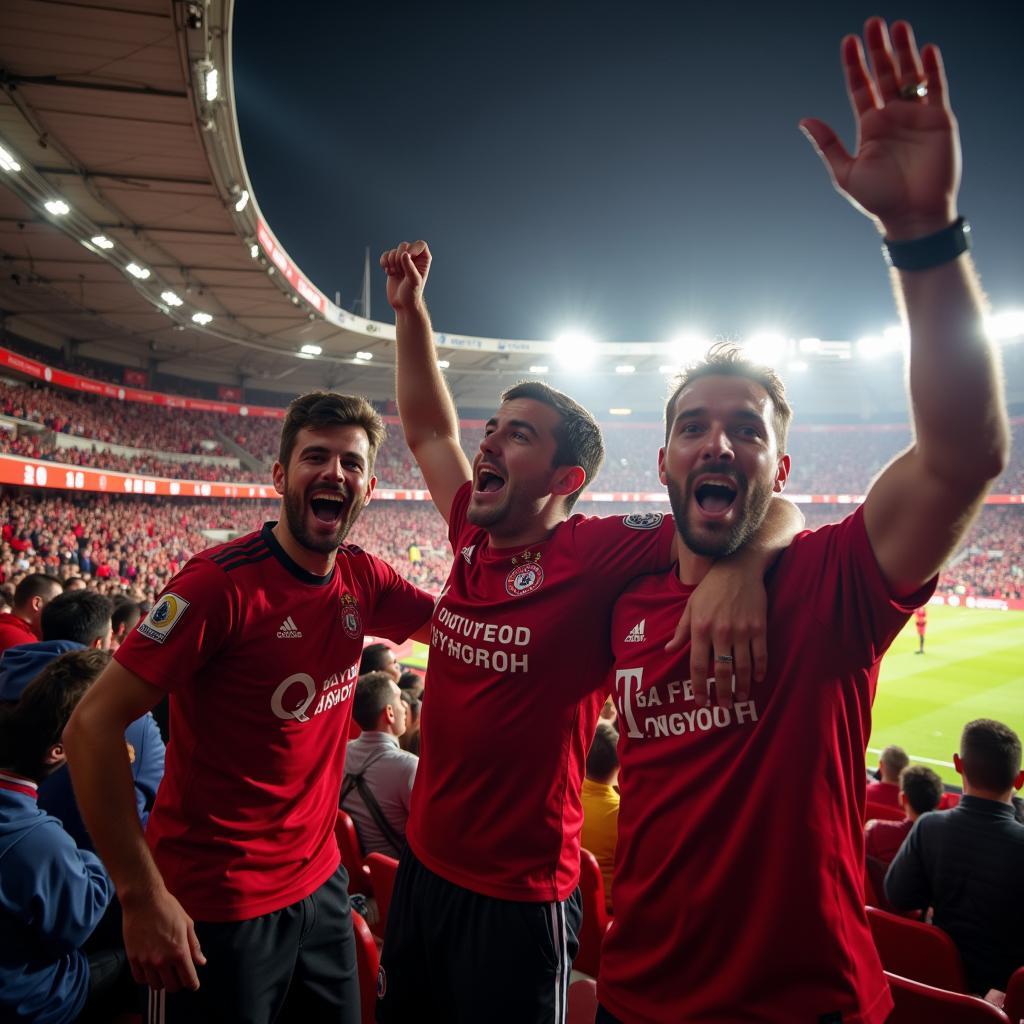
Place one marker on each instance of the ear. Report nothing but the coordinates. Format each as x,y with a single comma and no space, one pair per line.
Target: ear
568,480
55,756
1019,781
902,798
277,474
781,474
389,714
369,490
959,765
661,467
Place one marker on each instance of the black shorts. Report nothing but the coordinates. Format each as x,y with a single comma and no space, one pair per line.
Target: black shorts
456,956
297,964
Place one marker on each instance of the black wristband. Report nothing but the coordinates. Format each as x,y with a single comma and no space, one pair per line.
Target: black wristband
932,250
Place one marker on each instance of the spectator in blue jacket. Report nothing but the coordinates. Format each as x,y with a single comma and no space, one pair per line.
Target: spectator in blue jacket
72,622
52,894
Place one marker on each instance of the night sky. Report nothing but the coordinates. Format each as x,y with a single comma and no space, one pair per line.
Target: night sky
629,169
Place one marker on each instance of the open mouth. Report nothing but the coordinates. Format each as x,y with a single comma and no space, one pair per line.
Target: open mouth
327,507
487,481
715,497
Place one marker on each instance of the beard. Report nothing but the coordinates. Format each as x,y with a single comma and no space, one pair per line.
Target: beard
752,507
295,512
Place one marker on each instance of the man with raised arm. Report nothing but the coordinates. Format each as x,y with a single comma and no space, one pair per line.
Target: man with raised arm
484,916
737,898
235,903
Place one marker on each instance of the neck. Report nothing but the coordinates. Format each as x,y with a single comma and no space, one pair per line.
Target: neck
316,562
692,568
1005,797
535,532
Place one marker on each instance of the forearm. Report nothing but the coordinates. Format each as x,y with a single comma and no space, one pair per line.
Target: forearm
424,404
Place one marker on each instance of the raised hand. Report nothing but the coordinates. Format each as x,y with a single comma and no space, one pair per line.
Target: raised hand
407,267
905,172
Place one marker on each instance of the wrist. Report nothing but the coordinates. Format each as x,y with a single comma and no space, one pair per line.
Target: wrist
919,225
415,310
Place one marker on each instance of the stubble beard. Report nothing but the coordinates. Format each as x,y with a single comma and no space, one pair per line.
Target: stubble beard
294,510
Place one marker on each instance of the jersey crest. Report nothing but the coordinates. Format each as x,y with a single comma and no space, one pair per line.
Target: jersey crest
643,520
163,617
351,621
526,575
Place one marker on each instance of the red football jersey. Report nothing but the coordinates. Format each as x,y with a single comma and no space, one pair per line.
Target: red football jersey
519,659
739,869
261,659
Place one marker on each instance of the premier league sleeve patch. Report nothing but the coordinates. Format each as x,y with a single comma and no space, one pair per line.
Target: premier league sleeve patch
643,520
163,617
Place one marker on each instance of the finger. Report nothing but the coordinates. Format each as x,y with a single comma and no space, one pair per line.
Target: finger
700,649
829,147
935,75
740,668
723,675
138,974
759,649
418,248
681,635
410,271
194,948
151,977
858,82
910,70
886,77
185,972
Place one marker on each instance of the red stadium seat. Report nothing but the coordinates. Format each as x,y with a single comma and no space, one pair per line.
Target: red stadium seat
915,950
582,1001
882,811
367,964
1014,1006
948,800
922,1004
352,855
595,915
382,877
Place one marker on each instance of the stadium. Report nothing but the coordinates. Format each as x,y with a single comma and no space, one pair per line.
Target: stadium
153,330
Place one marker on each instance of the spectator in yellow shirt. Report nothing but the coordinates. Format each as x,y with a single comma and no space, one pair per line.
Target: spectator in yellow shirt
601,802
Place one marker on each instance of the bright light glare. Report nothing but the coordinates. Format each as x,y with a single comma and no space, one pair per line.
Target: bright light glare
620,412
243,201
625,368
136,271
575,350
809,344
1006,325
765,347
687,347
202,319
101,242
897,337
443,363
254,251
212,84
311,350
798,366
365,356
7,162
57,207
668,369
305,355
538,368
871,346
171,299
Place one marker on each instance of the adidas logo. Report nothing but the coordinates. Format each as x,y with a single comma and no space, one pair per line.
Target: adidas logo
467,554
288,630
636,634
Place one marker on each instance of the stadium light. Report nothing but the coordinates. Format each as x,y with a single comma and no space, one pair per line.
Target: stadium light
765,347
625,368
311,350
211,84
202,319
1005,326
538,368
305,355
364,356
254,251
620,412
809,345
101,242
243,201
171,299
136,271
575,350
443,363
687,347
57,207
7,162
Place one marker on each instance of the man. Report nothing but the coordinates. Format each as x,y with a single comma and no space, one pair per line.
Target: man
968,862
920,792
921,624
31,596
124,619
601,803
379,774
380,658
493,832
701,932
258,642
886,790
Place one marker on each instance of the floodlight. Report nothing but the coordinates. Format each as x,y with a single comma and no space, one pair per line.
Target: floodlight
171,299
57,207
625,368
311,350
620,412
688,346
211,81
136,271
243,201
101,242
1006,325
7,162
254,251
202,319
443,363
765,347
305,355
538,368
364,356
575,350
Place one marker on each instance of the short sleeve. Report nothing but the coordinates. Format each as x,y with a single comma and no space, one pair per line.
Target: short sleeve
624,547
398,608
185,628
457,513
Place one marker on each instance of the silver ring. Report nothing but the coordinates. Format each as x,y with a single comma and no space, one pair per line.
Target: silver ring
725,659
914,91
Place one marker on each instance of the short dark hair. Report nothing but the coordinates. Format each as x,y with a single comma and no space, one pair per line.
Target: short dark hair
894,759
922,788
990,752
79,615
72,583
725,359
321,409
373,695
36,584
126,612
415,704
410,681
373,659
603,757
36,722
578,438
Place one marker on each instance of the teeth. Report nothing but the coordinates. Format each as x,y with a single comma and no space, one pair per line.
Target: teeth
327,497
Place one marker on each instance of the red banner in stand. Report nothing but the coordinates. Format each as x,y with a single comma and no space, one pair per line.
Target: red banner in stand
136,378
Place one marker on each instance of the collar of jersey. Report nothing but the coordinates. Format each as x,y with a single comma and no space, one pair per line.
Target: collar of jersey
303,575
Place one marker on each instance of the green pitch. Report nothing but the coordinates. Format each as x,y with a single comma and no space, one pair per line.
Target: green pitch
973,667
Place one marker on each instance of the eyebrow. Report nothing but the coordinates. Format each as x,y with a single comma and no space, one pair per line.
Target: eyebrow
521,424
740,414
320,449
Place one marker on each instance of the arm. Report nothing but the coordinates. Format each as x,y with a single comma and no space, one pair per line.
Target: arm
906,175
428,415
158,935
729,610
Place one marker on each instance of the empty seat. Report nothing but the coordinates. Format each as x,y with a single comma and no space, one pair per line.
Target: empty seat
915,950
917,1003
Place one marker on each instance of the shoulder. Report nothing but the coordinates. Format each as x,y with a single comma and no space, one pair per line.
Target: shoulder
245,550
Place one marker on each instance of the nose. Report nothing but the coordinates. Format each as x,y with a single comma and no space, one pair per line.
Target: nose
488,444
717,447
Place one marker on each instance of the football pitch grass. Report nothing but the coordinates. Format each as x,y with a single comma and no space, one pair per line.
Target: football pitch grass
973,667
